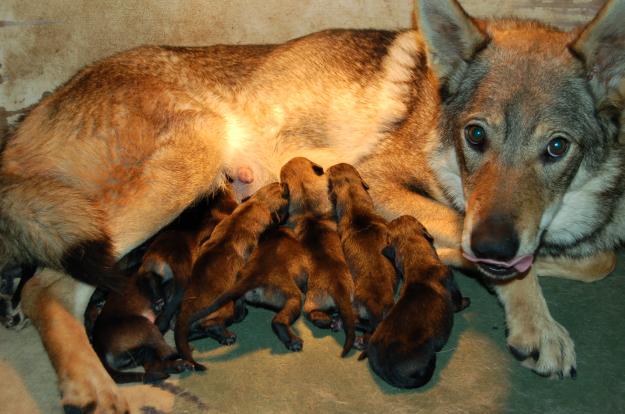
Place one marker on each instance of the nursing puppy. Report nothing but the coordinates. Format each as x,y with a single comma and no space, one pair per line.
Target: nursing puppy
219,260
125,332
174,250
364,235
402,350
330,285
275,277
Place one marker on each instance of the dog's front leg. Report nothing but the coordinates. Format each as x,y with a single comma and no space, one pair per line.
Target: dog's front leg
55,303
441,221
584,269
534,336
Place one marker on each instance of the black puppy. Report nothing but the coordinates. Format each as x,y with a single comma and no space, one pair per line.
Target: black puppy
402,350
275,277
364,236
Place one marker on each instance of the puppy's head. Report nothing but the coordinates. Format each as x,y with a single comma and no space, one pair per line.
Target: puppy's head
407,234
344,177
307,185
275,197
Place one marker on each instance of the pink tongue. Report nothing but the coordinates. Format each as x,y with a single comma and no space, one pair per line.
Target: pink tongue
520,264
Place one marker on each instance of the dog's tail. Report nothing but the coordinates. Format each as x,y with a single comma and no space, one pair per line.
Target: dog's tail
47,223
342,299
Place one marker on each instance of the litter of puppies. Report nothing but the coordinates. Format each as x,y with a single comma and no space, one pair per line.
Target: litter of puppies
312,242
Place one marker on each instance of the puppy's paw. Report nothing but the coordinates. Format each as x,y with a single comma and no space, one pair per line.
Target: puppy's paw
228,339
544,346
296,344
360,343
89,389
337,324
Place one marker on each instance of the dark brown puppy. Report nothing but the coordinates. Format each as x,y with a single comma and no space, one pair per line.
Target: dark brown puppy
330,285
174,250
364,235
219,261
130,325
125,333
402,350
275,277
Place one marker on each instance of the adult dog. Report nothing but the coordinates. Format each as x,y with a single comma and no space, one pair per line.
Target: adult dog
501,136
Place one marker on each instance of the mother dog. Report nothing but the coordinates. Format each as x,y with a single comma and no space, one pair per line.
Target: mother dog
501,136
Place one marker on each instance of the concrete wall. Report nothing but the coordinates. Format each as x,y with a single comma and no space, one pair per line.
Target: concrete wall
43,43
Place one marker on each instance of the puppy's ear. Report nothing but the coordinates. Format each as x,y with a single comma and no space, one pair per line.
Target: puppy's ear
452,36
601,46
317,169
285,190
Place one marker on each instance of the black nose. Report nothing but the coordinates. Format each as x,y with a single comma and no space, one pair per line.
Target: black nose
495,238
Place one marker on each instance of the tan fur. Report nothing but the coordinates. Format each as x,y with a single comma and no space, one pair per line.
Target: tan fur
130,141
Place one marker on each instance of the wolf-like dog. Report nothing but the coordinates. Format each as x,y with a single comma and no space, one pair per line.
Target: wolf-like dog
500,136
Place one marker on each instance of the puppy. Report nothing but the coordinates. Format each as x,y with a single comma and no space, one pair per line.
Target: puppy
275,277
174,250
364,235
125,333
402,350
219,261
330,285
135,320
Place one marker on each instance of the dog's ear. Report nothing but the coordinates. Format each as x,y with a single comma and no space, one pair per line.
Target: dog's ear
452,36
601,46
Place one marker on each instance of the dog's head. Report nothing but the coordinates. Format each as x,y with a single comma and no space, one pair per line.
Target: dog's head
307,185
530,114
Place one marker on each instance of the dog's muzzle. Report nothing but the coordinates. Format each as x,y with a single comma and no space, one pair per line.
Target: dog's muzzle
500,269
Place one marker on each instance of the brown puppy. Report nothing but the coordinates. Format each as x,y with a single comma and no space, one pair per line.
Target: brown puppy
402,350
174,250
364,235
127,324
330,285
125,332
219,261
275,277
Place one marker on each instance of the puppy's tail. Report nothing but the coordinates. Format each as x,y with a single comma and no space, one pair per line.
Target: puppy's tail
342,299
47,223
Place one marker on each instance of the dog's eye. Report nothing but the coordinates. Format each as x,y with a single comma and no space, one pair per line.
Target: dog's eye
557,147
475,135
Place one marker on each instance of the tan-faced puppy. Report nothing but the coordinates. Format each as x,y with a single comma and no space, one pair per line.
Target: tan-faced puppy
364,235
402,350
330,285
275,277
125,332
218,263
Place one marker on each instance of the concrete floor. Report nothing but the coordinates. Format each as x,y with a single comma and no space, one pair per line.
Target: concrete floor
475,373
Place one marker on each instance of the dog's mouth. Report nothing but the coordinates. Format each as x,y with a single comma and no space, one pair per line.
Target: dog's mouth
502,270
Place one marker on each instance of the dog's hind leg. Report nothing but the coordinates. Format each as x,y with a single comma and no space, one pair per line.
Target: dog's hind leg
584,269
534,336
281,323
54,303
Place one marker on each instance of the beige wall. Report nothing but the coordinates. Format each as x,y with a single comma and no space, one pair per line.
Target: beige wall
44,43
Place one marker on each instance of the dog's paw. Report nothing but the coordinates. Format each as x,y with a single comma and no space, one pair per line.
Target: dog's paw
296,344
91,391
545,347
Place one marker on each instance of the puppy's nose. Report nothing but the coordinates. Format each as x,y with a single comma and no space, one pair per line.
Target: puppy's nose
495,238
